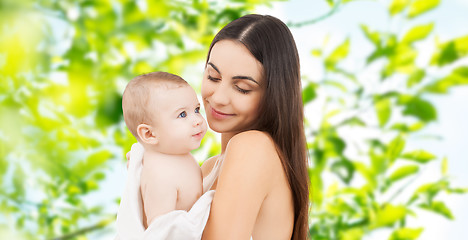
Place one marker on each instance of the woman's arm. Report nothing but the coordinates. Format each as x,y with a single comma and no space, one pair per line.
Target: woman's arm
243,184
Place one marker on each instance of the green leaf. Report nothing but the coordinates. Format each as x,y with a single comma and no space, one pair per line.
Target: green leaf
429,190
91,185
419,156
418,7
335,145
418,33
389,215
416,126
419,108
390,94
415,77
72,190
384,111
19,183
444,167
403,172
458,190
338,54
402,60
378,162
406,233
335,84
316,52
462,72
397,6
458,77
440,208
109,111
395,147
354,121
451,51
402,127
365,172
97,159
316,183
351,234
309,93
344,169
99,176
373,36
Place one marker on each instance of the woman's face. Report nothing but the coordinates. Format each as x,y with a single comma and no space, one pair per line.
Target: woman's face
232,87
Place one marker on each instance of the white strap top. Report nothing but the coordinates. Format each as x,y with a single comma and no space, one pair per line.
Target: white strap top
209,180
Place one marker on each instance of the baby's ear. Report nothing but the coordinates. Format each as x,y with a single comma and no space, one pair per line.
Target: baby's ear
146,134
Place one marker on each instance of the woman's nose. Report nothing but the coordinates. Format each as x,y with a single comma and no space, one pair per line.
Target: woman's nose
220,95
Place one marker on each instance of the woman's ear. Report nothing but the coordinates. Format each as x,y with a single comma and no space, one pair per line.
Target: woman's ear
146,134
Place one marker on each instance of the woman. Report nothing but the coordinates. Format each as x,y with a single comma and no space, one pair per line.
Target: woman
251,91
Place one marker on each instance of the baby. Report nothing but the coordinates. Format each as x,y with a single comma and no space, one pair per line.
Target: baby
163,113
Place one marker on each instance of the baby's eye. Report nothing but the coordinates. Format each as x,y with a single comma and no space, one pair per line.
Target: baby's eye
197,110
182,115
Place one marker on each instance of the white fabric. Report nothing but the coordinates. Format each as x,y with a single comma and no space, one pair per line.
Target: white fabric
175,225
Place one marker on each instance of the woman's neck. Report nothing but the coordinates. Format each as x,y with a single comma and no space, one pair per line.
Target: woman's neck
225,137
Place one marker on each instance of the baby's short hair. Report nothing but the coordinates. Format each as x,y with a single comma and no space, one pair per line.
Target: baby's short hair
135,99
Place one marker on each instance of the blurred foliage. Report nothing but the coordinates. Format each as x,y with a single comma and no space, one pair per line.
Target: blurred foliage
64,65
362,184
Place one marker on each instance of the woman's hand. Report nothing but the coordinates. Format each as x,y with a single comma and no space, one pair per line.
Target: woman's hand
138,152
128,158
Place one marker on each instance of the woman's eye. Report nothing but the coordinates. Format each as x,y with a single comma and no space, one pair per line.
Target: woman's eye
213,79
182,115
243,91
197,110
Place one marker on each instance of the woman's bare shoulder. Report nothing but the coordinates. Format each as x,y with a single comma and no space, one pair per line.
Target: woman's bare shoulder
254,150
258,141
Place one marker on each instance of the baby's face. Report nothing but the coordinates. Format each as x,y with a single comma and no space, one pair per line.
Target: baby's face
179,126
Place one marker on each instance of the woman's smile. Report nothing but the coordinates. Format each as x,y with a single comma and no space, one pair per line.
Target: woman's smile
219,115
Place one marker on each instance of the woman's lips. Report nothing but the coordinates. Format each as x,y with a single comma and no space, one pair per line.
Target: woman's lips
220,115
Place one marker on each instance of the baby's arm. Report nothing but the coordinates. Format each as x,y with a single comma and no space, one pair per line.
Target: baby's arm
159,194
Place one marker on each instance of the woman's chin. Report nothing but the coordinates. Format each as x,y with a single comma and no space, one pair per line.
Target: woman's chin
216,128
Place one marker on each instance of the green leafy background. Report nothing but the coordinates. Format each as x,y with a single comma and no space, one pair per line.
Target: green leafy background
373,83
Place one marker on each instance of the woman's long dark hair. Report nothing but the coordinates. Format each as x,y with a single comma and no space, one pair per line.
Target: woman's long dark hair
281,109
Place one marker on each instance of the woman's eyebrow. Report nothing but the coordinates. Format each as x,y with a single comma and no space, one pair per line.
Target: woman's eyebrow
215,68
246,78
235,77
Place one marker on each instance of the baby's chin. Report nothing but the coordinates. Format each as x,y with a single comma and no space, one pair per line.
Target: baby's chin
196,146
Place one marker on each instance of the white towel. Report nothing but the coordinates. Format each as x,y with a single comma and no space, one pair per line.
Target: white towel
175,225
